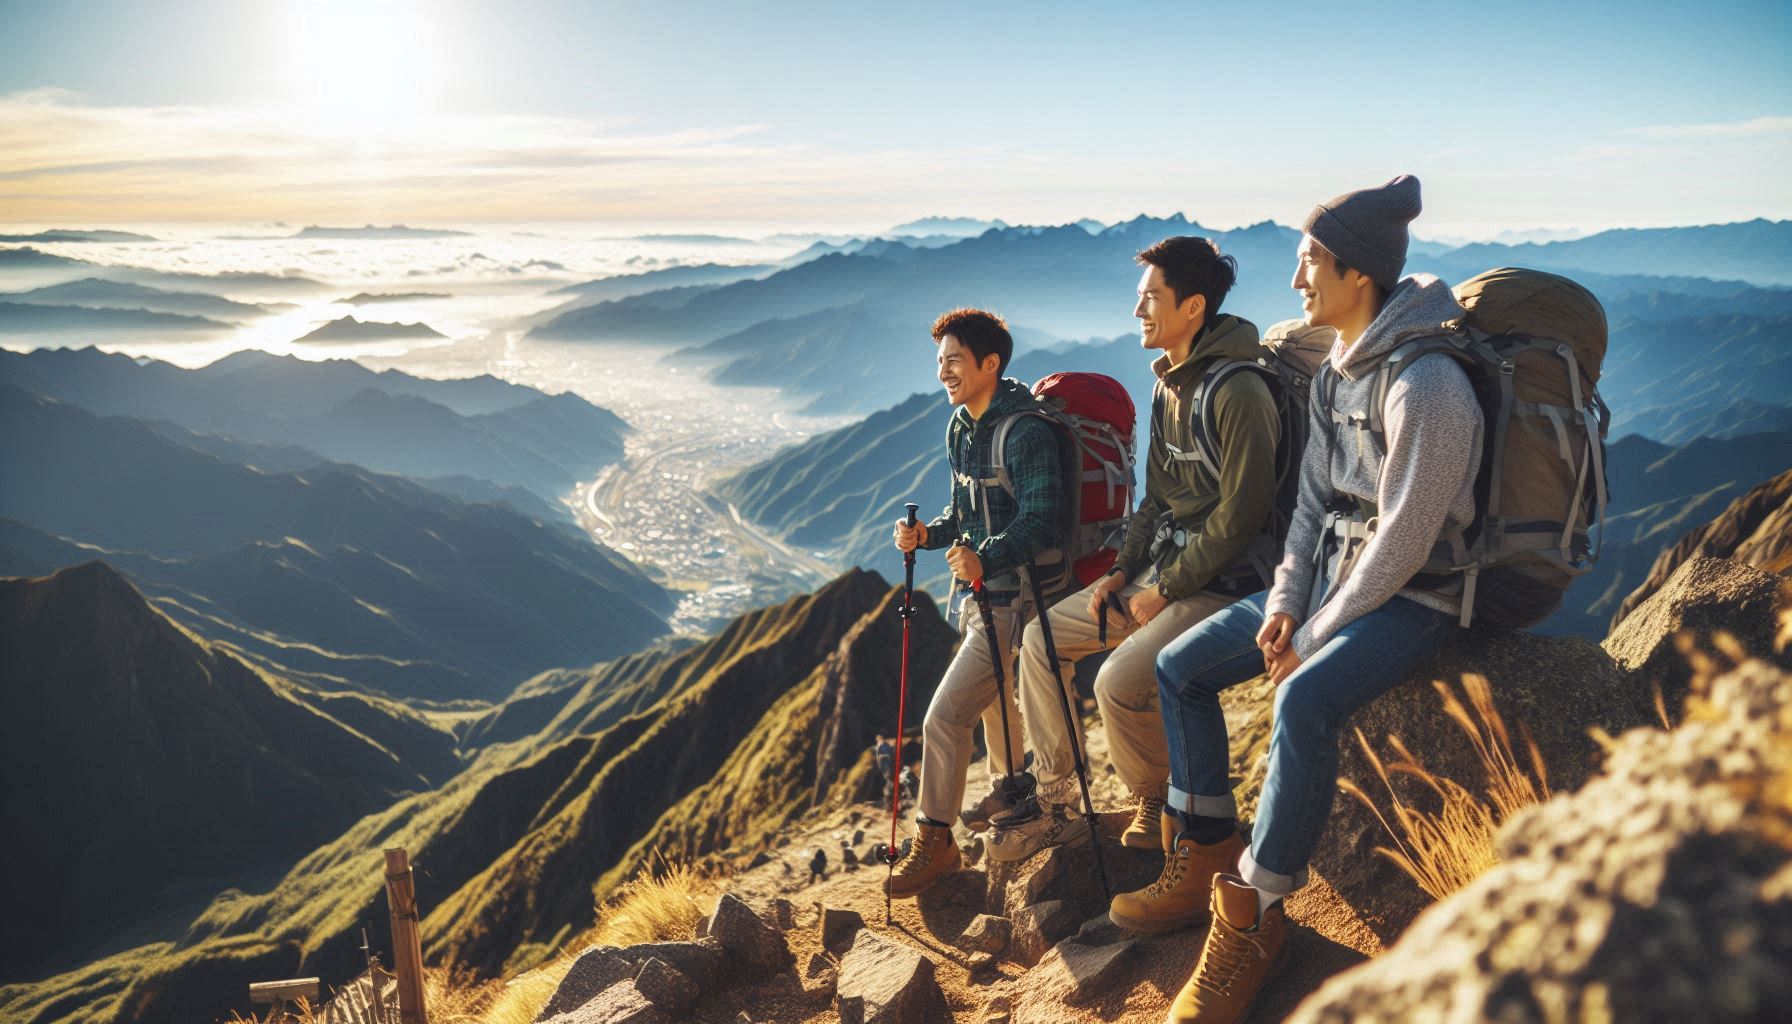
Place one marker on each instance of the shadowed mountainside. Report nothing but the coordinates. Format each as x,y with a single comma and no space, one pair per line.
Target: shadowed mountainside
1756,529
143,765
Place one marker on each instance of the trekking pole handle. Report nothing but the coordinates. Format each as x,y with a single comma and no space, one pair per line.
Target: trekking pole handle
912,510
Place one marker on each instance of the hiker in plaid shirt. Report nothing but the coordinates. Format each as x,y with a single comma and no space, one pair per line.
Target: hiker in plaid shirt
988,534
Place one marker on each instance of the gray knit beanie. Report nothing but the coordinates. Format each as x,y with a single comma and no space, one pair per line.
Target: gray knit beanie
1366,229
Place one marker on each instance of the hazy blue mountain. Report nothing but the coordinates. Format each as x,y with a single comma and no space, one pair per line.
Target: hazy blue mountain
121,732
318,568
1757,251
78,235
963,227
348,328
93,292
27,258
1673,380
695,239
33,318
1062,280
624,285
370,231
484,428
373,298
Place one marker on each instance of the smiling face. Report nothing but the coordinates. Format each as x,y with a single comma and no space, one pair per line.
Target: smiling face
966,380
1328,298
1164,323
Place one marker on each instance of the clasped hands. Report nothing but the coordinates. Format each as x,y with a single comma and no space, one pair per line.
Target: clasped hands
1275,640
960,558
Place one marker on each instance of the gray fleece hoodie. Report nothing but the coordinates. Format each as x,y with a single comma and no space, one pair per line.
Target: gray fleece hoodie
1423,483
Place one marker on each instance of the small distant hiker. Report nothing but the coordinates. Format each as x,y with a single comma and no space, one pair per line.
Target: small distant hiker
818,865
1338,629
911,786
1190,530
989,533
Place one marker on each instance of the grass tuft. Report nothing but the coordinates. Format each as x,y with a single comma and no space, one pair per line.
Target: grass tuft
1445,849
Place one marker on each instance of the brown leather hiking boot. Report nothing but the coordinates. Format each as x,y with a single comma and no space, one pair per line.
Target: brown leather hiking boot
932,856
1241,954
1149,829
1179,897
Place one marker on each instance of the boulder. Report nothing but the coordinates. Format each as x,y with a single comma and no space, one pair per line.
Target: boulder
665,986
987,933
1556,688
1040,927
1703,597
1070,874
753,947
593,972
1660,891
701,960
884,982
839,928
620,1003
1073,973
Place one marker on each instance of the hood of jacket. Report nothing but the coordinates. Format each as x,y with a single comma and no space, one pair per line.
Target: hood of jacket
1227,337
1419,306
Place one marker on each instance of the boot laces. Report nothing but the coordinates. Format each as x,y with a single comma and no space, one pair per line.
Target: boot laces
1146,815
1226,955
1174,865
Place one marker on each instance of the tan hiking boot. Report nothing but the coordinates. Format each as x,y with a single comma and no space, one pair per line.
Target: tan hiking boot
932,856
1242,953
1149,829
1179,897
1011,842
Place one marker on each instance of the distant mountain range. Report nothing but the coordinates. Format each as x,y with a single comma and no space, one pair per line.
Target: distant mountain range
370,231
27,268
481,427
1757,251
348,328
346,578
97,293
134,736
38,318
78,235
962,226
374,298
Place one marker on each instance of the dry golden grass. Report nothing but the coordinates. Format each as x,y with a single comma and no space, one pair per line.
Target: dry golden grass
657,906
1447,848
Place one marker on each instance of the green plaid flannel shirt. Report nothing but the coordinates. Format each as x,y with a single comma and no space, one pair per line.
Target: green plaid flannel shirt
1027,523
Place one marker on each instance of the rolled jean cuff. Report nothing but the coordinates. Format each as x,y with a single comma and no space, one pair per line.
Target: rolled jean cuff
1272,882
1206,806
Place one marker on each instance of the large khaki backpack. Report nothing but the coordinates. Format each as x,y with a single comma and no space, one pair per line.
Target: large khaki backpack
1532,345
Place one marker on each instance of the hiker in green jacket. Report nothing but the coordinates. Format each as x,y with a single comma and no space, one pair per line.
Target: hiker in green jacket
989,534
1178,565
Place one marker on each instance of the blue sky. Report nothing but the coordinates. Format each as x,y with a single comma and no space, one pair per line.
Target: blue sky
857,115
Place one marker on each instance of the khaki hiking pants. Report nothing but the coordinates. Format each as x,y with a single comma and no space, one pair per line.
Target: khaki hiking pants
1125,689
967,695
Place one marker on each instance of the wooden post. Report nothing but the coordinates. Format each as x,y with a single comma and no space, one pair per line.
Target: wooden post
407,944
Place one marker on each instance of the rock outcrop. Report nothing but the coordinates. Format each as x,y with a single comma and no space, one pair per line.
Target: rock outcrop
1756,529
1661,891
1704,597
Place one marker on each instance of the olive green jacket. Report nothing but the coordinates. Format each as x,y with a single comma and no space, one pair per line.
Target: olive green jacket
1219,521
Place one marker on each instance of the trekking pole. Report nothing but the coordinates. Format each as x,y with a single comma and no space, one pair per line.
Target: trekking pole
1072,726
995,660
907,612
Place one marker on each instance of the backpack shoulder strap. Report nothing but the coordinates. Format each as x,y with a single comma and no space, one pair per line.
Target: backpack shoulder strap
998,451
1204,426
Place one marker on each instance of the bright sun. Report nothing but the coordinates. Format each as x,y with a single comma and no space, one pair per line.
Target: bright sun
361,65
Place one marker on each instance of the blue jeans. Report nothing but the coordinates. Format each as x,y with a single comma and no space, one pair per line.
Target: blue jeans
1363,661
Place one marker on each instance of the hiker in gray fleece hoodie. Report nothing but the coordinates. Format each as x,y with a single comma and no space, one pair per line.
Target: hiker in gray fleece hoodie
1350,614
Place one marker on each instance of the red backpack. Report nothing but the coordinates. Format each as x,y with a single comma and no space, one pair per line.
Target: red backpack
1093,417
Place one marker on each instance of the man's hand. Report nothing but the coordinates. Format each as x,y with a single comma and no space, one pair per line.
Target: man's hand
1281,666
1275,641
1145,605
1112,583
964,563
908,538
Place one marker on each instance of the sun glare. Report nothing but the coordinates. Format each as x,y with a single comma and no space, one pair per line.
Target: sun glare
361,65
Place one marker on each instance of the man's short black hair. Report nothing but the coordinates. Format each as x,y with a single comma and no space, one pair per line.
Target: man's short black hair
1193,266
984,333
